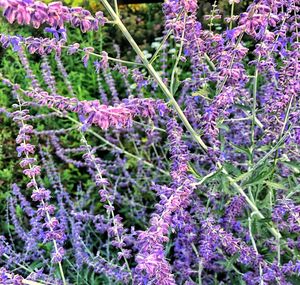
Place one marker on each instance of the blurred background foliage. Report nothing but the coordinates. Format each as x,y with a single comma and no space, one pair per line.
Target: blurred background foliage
145,20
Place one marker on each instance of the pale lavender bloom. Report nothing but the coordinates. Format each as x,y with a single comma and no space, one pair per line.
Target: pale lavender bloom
286,214
7,277
25,148
85,58
57,33
22,138
139,78
19,230
57,256
40,194
64,74
103,63
32,171
54,14
100,17
73,48
44,209
47,75
23,202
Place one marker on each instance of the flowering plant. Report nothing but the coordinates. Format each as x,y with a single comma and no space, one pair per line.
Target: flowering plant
184,162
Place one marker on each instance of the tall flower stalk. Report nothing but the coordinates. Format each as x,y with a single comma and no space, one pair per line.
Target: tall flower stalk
39,194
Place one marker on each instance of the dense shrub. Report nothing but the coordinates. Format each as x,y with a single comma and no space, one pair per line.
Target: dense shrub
175,164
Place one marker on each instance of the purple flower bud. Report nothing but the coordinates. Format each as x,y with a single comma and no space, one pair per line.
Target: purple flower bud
86,56
33,171
57,256
44,209
53,223
40,194
103,63
73,48
25,148
100,17
31,184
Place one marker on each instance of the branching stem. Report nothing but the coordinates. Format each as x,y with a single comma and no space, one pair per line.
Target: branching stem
154,74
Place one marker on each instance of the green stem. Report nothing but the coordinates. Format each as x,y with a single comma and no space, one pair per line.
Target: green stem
231,15
109,58
214,6
117,60
278,252
286,118
255,248
209,61
118,148
19,264
177,58
254,106
163,41
25,281
153,58
204,179
263,159
116,7
200,266
147,126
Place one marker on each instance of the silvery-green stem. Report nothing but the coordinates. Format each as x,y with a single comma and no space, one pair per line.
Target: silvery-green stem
177,58
255,248
109,58
255,79
116,147
200,266
231,15
163,41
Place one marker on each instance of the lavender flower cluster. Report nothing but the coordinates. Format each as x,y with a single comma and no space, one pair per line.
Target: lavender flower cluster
55,15
179,169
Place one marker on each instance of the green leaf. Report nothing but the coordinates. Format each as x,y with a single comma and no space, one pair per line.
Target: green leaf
259,175
242,149
295,166
175,85
233,170
203,92
222,126
276,185
243,107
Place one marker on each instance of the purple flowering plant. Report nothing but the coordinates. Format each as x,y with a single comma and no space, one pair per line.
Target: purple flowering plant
173,165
